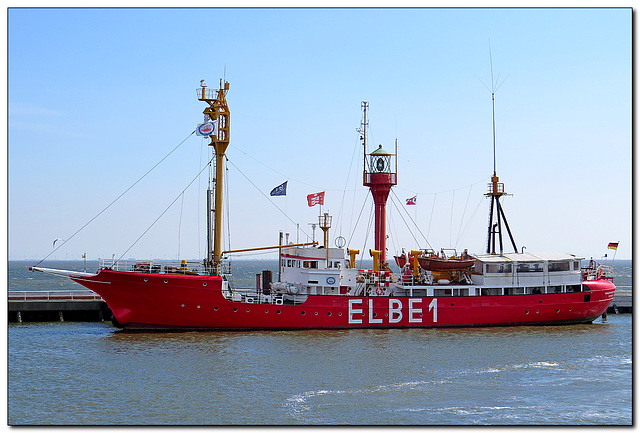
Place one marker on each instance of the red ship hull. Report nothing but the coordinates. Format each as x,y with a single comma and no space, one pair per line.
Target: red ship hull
143,301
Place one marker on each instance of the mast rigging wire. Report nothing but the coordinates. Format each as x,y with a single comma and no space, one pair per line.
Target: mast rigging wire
358,220
226,194
453,199
344,191
394,198
261,192
117,198
397,200
466,229
462,218
180,223
366,236
165,211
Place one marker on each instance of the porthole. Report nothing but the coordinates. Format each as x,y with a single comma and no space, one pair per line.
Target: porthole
558,310
339,314
329,313
526,312
278,312
375,314
215,308
303,313
182,305
204,284
540,301
235,309
146,280
316,313
248,310
198,306
266,311
537,311
166,281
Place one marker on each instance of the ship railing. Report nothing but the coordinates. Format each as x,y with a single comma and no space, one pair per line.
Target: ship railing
422,279
596,272
53,295
252,296
155,266
374,278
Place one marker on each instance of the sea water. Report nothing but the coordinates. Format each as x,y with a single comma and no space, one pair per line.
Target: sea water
90,373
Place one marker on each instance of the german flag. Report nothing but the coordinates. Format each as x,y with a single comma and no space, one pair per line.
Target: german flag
613,245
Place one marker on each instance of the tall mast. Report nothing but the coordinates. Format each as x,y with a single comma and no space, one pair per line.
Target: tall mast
218,112
363,131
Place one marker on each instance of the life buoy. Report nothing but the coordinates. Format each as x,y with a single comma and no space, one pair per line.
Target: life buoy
379,291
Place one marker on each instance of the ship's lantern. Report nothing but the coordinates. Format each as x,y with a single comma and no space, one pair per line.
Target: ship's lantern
380,161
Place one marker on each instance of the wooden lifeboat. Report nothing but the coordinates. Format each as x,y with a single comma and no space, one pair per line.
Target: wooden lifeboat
401,260
435,263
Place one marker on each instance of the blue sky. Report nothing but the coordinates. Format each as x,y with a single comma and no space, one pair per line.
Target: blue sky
96,97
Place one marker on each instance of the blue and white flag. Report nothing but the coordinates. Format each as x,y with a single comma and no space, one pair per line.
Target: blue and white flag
207,128
280,189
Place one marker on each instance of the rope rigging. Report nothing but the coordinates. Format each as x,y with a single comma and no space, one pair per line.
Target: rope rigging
165,211
396,200
117,198
262,192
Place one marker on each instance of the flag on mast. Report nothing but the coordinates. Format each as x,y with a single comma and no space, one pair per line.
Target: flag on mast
613,245
314,199
206,129
280,189
412,200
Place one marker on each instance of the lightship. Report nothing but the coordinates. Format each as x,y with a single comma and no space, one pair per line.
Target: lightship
320,287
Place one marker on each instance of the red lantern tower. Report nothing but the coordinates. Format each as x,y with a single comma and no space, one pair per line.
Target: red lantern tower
380,168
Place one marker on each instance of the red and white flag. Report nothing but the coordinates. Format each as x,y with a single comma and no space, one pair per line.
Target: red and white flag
314,199
412,200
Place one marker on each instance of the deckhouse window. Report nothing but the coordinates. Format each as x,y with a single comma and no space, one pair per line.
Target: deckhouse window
310,264
559,266
499,268
530,267
576,265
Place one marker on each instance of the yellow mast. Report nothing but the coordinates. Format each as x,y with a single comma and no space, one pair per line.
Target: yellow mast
218,110
325,225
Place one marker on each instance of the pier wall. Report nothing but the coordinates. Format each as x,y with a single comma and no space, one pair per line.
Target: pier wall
622,302
75,305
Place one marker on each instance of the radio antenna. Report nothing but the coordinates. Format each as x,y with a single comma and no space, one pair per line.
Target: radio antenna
496,188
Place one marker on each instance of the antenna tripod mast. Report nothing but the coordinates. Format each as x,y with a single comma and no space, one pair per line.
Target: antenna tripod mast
496,190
